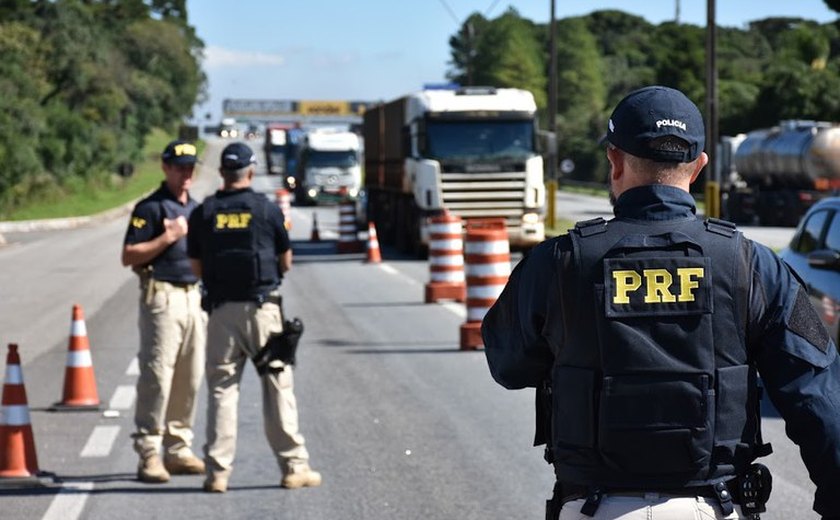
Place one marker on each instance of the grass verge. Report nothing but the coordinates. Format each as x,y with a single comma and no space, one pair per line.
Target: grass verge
93,197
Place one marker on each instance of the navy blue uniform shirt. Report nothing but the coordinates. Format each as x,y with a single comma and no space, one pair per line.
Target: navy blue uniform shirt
172,265
524,328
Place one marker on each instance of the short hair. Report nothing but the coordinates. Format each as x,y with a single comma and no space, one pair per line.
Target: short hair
660,172
235,175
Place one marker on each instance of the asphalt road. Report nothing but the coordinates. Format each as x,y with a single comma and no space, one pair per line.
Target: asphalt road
401,423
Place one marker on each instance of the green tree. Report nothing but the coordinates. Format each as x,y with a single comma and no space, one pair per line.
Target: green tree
509,55
464,48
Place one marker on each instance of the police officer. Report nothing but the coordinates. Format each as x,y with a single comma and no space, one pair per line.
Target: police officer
239,246
172,324
648,332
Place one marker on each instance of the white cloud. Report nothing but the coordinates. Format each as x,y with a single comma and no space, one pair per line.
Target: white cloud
215,57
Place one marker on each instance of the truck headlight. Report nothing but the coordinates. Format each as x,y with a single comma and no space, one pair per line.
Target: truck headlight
312,192
530,218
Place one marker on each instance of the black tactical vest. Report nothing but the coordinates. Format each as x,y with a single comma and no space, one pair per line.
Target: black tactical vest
239,261
173,265
652,388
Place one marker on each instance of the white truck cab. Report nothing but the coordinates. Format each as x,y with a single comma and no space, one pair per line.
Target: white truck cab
329,166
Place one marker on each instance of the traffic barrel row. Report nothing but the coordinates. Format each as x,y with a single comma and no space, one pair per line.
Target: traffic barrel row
348,241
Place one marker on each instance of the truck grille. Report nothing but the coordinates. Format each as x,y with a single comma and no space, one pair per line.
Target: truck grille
485,195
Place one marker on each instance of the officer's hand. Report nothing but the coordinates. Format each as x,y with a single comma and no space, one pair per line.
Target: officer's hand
175,228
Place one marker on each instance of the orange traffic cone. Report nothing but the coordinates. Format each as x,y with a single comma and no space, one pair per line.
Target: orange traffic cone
79,380
316,237
374,256
17,445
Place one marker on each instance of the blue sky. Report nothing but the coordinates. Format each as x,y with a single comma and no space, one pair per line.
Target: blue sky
381,49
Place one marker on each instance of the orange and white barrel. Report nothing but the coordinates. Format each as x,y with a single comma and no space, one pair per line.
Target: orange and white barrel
487,266
348,240
284,200
446,259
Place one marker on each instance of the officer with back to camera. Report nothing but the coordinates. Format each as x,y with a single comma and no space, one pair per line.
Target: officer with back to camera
172,324
238,245
647,334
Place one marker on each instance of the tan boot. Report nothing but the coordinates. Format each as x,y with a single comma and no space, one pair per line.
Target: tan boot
151,470
215,484
300,476
189,465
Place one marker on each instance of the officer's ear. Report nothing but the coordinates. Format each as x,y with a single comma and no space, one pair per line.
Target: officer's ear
616,160
699,164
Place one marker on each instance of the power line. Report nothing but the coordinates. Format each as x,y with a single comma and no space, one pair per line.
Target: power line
451,12
489,9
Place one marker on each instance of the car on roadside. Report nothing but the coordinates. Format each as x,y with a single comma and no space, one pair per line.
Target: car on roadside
814,253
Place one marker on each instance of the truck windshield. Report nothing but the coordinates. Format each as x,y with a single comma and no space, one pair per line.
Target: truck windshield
479,140
337,159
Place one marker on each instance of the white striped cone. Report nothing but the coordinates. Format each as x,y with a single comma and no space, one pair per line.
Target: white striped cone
284,200
374,255
446,259
17,444
79,379
348,241
487,255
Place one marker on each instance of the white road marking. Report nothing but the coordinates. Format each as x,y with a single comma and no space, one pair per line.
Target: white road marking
69,502
100,442
391,270
123,398
133,368
459,309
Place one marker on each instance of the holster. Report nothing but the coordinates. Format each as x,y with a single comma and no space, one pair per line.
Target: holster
280,349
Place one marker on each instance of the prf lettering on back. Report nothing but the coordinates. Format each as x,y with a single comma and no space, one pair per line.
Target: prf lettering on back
657,284
233,220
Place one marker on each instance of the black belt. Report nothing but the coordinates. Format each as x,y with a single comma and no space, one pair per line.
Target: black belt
575,492
180,285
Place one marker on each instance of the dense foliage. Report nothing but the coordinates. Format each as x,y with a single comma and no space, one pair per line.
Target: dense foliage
774,69
82,82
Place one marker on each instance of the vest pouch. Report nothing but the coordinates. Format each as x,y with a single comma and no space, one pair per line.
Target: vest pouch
655,424
573,422
735,432
267,267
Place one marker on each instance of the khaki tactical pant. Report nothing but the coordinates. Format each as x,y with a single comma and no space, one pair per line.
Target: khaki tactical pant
236,332
651,506
173,330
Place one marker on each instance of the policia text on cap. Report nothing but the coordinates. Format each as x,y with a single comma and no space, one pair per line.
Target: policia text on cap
647,334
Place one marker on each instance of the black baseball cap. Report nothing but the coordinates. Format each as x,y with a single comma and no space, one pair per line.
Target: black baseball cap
179,152
652,112
237,155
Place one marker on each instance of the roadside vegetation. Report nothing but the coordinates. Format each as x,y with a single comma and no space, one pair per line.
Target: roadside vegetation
82,85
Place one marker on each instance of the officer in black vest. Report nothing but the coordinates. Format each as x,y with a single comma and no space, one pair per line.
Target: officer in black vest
238,244
647,334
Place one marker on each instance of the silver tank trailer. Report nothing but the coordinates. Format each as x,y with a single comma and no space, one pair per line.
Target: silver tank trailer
793,154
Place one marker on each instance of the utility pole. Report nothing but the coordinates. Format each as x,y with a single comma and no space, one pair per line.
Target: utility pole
712,174
552,92
677,13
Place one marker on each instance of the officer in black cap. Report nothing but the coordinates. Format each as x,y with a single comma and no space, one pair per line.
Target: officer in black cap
238,245
172,324
646,335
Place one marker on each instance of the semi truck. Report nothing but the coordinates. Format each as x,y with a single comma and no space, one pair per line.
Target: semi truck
777,173
329,166
471,152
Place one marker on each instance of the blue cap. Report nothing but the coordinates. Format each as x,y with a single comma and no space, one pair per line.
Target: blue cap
653,112
236,156
179,152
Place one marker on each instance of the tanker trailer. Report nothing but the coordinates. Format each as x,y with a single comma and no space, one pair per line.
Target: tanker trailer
784,170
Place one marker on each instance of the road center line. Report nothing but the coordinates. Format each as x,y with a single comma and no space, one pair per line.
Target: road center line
457,308
123,398
69,502
391,270
100,442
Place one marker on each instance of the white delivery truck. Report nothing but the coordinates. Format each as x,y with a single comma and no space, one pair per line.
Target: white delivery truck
329,166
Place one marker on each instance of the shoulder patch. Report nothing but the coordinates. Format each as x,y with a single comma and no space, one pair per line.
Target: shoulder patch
805,322
138,222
